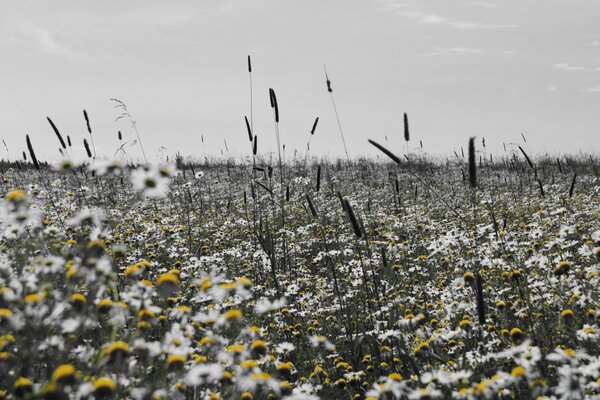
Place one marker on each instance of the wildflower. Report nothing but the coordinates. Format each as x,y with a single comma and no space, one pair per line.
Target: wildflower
23,386
258,347
167,284
117,351
78,301
16,196
175,362
151,181
469,277
233,314
104,388
518,372
516,334
64,374
566,315
562,268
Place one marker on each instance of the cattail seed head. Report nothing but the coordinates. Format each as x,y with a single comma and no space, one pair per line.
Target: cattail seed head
62,142
32,153
312,131
406,133
87,121
87,148
248,128
472,165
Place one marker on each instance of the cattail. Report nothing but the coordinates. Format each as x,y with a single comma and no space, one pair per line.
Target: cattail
462,152
120,136
249,65
385,151
32,153
287,193
483,142
353,220
541,187
69,140
87,148
313,210
24,156
421,143
559,166
62,142
274,104
406,134
255,147
318,178
480,303
312,131
87,121
472,166
248,128
571,190
527,158
329,89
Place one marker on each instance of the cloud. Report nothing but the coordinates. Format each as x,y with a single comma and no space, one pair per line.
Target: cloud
594,89
410,10
478,25
49,43
567,67
453,51
483,4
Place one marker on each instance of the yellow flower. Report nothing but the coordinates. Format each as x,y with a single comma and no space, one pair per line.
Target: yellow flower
64,374
233,314
394,376
104,387
518,372
175,362
16,196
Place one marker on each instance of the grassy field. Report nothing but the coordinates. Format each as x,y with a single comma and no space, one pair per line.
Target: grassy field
354,279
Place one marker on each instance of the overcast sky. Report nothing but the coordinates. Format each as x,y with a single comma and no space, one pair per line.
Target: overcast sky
489,69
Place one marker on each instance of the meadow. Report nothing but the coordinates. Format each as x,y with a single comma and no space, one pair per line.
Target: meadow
305,279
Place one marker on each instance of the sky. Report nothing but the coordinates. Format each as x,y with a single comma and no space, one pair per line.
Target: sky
490,69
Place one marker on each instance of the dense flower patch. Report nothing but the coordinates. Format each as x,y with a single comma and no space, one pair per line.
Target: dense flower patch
237,283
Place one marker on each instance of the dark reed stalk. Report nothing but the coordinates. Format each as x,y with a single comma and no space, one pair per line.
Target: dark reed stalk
313,210
62,142
385,151
255,145
353,220
572,189
251,100
527,158
559,166
541,188
312,131
24,156
406,133
31,154
336,113
523,136
248,128
318,178
480,302
120,136
87,148
87,122
69,140
472,165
